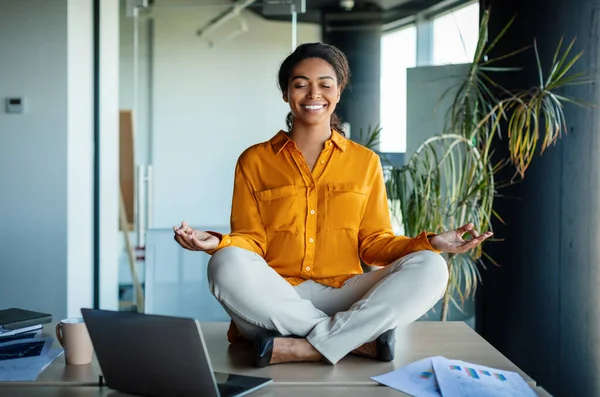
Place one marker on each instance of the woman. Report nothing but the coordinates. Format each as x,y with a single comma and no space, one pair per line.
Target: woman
308,205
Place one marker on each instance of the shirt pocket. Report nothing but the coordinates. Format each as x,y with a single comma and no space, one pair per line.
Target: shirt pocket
345,205
278,209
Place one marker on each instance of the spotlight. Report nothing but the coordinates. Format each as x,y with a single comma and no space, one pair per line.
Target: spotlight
347,4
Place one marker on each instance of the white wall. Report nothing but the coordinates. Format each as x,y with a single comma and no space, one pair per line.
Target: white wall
80,155
46,156
33,156
209,104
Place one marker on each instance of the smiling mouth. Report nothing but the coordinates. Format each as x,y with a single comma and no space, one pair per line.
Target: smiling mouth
313,107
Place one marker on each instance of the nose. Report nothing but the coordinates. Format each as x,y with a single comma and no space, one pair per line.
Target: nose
314,92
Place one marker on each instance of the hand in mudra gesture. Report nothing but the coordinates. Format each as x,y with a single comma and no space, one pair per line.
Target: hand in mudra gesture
194,240
452,241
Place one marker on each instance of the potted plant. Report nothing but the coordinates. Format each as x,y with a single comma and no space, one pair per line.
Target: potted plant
453,177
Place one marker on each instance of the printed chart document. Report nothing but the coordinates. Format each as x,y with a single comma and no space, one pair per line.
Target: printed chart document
416,379
459,378
23,360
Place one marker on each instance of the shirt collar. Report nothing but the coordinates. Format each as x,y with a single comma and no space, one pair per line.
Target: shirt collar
339,140
279,141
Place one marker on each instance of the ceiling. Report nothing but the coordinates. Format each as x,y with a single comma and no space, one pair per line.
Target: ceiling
381,11
385,5
363,11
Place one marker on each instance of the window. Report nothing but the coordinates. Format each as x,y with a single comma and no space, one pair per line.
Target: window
447,38
455,35
398,52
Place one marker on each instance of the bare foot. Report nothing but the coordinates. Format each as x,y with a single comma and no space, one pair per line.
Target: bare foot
368,349
291,349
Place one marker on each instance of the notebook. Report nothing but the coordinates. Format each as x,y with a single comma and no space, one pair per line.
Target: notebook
14,318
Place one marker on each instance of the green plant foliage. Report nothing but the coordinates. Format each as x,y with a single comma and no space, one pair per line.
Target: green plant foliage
451,179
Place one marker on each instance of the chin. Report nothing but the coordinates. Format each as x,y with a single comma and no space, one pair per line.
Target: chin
313,120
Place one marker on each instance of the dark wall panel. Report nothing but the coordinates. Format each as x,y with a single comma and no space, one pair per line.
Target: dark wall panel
541,308
359,105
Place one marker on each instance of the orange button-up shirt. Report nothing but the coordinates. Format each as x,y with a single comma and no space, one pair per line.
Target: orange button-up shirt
314,225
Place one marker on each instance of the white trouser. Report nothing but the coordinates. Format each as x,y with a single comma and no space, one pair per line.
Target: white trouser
334,320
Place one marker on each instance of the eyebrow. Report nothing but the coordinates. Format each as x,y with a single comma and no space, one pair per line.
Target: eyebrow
306,78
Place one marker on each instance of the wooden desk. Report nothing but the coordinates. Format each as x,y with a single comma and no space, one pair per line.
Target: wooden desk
269,391
454,340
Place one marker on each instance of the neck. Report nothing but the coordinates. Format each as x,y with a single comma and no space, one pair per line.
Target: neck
310,137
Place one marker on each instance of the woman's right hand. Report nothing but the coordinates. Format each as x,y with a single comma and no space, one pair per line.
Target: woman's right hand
194,240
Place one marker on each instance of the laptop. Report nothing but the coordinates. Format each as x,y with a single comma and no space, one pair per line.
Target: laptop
156,355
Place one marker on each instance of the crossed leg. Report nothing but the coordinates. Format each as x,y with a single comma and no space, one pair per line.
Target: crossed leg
334,321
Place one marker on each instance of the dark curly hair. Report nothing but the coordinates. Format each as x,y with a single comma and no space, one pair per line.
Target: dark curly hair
332,55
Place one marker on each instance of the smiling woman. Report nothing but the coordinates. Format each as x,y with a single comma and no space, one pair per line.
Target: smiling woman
308,59
309,205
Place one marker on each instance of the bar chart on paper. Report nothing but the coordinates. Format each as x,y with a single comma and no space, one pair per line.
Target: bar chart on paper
457,378
478,374
416,379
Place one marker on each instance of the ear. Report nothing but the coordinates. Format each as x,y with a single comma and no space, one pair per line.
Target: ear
285,98
339,95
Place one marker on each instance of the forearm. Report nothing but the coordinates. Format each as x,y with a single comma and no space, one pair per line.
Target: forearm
385,248
248,241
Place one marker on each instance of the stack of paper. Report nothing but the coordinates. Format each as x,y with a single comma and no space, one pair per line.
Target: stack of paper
37,329
441,377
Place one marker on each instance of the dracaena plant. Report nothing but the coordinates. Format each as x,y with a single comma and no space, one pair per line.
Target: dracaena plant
452,178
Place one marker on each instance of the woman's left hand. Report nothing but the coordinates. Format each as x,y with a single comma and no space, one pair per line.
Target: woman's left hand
452,241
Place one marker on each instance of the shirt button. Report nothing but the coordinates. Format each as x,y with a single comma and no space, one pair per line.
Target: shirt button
312,212
322,161
307,268
330,143
228,241
311,240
